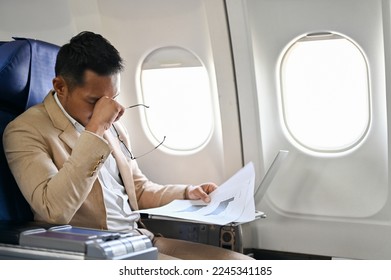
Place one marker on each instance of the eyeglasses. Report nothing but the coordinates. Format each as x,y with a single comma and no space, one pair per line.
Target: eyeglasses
126,149
136,106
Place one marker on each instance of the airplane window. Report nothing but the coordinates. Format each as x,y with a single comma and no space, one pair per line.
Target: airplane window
176,86
325,92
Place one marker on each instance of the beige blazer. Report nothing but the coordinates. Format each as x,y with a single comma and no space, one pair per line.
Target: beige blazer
56,168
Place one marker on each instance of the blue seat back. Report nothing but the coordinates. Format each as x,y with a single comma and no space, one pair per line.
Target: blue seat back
26,73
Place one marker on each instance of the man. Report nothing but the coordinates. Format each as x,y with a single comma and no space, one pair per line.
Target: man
68,154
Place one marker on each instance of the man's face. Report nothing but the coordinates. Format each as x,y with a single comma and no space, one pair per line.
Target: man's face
80,101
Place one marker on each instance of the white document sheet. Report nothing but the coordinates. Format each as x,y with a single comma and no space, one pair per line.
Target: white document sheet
231,202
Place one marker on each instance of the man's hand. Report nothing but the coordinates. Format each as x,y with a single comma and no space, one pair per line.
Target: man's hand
106,111
201,191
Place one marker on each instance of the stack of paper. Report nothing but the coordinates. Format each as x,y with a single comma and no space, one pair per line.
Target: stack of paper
231,202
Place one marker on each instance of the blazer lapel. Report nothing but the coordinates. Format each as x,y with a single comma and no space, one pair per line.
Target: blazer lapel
69,134
124,169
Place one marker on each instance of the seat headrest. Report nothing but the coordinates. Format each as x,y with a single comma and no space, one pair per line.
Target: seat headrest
26,72
14,74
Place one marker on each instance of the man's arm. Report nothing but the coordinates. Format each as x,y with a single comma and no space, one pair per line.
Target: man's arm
54,183
150,194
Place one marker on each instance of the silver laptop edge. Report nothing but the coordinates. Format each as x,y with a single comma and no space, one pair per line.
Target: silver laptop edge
270,174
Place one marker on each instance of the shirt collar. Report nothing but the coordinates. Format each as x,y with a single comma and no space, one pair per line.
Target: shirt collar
79,127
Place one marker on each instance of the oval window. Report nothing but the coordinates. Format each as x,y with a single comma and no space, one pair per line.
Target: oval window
325,92
176,86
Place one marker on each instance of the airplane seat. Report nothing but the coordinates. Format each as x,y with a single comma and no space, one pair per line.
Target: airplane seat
26,73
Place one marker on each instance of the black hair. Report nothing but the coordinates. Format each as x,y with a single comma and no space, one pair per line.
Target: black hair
87,51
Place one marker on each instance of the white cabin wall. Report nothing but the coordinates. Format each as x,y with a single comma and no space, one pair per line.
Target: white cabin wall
50,21
334,205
